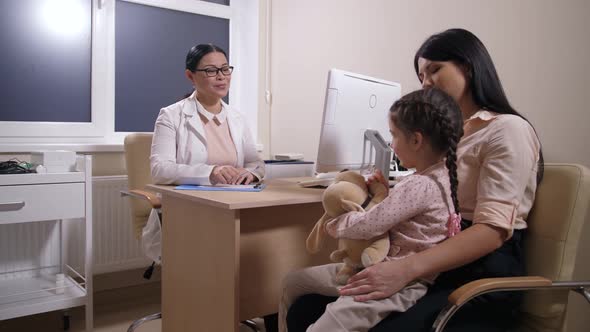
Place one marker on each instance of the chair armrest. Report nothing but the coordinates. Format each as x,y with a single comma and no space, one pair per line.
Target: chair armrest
149,196
479,287
482,286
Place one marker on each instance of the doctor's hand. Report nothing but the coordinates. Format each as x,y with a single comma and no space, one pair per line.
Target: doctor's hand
378,177
379,281
223,174
243,177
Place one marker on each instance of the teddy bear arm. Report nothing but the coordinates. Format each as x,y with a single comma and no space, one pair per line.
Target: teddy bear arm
376,252
344,274
338,255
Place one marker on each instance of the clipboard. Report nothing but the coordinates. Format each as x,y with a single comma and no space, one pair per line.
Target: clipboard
238,187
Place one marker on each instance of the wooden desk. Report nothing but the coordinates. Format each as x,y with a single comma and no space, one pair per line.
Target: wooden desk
225,253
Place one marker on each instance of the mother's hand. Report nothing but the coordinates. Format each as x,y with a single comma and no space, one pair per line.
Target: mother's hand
379,281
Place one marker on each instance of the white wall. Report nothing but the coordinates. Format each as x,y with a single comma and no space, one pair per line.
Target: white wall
540,48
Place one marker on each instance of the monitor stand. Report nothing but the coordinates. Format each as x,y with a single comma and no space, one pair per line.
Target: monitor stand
382,151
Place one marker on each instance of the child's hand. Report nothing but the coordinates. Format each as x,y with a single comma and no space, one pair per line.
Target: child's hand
378,177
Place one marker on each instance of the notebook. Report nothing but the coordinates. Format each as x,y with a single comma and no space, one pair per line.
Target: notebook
224,187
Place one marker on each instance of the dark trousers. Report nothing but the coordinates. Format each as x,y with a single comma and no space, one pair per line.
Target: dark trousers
490,312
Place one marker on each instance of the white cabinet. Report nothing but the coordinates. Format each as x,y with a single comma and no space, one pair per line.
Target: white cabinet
48,197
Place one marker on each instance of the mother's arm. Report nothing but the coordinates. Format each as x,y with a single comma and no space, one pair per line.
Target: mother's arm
384,279
512,149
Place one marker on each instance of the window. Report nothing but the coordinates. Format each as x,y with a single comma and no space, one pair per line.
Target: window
150,70
45,61
101,100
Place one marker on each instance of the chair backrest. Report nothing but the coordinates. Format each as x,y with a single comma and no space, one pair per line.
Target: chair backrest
137,159
557,223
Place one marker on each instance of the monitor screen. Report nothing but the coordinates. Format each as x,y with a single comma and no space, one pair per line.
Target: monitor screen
353,104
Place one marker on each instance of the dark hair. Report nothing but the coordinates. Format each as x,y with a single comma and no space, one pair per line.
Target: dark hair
464,48
437,116
196,53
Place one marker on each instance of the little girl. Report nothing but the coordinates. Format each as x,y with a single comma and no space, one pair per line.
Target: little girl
419,212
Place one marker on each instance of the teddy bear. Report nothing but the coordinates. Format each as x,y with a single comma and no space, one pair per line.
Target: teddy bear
350,192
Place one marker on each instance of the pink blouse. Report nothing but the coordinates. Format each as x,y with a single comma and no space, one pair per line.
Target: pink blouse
497,170
415,214
221,149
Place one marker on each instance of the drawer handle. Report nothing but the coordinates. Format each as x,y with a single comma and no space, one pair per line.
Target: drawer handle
12,206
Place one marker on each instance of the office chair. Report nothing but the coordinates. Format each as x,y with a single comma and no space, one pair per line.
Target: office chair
558,224
137,151
137,148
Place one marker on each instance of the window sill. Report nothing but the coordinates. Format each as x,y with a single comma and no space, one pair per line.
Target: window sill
80,148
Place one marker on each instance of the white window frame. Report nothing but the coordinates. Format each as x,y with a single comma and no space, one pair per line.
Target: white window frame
16,136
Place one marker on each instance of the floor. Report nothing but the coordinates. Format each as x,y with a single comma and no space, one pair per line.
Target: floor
114,311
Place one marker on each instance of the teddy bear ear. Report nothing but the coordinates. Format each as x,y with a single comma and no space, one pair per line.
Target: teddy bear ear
318,233
351,206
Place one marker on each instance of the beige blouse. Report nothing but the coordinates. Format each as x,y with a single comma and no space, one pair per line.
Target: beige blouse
221,149
497,170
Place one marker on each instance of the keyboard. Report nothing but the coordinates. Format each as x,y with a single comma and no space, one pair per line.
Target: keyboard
319,183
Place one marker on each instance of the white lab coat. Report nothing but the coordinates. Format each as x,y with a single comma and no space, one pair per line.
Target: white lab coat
179,145
179,156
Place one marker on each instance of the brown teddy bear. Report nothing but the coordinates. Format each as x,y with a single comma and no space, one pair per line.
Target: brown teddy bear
349,192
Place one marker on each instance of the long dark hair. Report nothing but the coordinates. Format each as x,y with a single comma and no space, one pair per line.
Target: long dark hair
195,54
437,116
464,48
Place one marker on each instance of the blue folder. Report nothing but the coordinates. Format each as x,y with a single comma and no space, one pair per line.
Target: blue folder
247,188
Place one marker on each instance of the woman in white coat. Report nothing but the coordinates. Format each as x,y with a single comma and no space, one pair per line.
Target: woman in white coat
200,139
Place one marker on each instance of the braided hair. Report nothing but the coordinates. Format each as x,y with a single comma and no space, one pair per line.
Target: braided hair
437,116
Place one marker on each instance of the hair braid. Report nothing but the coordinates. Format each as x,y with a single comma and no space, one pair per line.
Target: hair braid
450,138
438,117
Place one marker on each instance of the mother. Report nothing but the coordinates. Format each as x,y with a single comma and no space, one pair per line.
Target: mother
499,166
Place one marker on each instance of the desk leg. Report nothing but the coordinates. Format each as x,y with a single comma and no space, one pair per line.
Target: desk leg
200,272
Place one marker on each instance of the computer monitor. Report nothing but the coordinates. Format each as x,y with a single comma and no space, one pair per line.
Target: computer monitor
355,124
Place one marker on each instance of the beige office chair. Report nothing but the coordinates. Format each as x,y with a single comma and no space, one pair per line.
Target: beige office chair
558,224
137,159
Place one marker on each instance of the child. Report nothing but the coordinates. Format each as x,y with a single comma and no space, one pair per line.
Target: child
419,212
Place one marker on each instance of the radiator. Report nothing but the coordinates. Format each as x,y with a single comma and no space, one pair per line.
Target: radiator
115,246
29,248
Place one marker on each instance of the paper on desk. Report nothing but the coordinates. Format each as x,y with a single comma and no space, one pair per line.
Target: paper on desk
224,187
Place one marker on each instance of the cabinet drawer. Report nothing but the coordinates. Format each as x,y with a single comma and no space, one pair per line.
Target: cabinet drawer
27,203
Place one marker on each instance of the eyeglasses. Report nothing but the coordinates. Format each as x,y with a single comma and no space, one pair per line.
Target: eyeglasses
213,71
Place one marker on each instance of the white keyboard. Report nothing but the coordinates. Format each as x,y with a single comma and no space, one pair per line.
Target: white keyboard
324,183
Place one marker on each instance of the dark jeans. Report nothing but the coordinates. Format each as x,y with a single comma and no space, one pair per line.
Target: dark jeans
490,312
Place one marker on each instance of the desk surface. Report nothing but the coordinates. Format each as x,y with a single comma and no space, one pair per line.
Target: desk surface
278,192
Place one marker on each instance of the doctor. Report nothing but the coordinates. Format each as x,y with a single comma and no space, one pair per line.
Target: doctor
200,139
